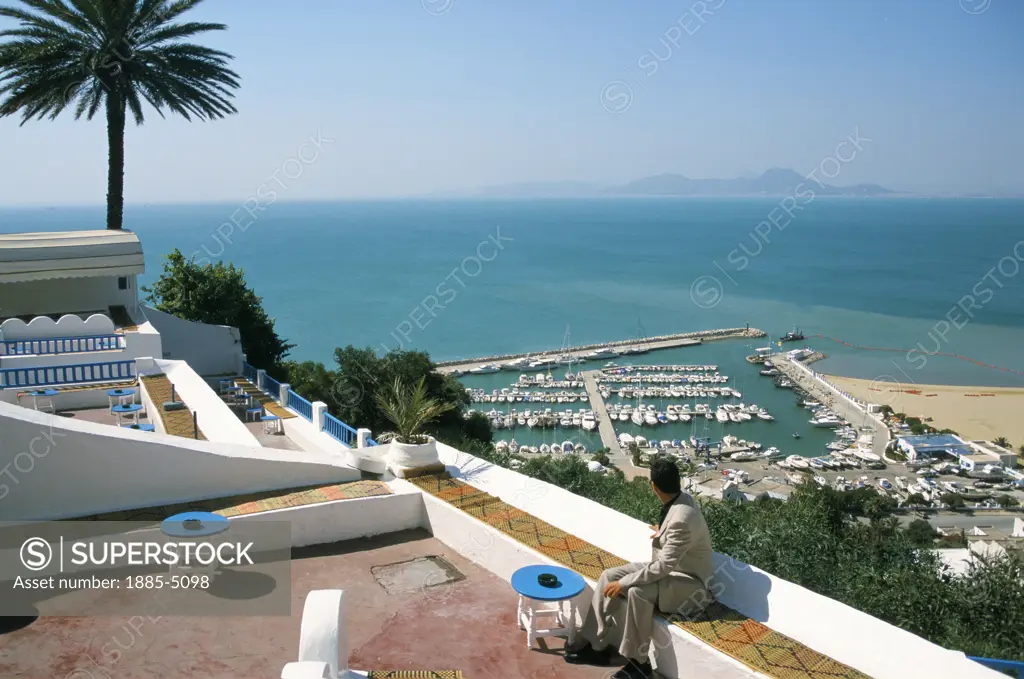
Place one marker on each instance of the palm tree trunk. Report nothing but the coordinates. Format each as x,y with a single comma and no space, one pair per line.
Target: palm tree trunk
115,169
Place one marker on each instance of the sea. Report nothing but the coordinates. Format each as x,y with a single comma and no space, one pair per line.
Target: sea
909,290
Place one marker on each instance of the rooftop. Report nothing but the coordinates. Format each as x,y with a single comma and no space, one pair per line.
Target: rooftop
68,254
471,624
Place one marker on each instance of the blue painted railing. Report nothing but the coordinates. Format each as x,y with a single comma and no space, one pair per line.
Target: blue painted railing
271,386
1001,665
299,405
340,431
61,345
371,442
249,373
67,374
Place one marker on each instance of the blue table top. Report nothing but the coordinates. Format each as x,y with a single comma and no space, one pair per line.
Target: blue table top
44,392
140,427
130,408
209,524
121,392
271,417
570,583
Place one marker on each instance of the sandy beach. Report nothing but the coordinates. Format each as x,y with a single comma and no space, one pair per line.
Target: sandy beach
973,412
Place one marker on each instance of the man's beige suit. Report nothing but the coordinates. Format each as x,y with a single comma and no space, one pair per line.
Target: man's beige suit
676,580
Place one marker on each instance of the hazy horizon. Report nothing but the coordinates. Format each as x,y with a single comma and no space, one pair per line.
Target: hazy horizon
449,97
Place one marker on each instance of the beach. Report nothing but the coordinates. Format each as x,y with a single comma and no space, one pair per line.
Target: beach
973,412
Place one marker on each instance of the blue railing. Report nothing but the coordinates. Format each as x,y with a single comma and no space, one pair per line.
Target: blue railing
61,345
340,431
67,374
299,405
271,386
249,373
1002,665
371,442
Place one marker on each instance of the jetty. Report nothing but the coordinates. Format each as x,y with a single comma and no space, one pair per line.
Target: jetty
604,422
685,339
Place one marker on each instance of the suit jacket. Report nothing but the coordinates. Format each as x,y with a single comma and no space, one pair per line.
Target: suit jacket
681,549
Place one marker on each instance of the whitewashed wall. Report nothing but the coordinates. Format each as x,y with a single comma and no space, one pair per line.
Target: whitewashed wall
57,467
209,349
44,327
214,417
65,295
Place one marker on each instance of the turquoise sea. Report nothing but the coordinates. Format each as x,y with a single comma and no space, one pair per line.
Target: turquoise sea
473,277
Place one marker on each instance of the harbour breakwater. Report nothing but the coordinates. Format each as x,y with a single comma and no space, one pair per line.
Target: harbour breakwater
658,342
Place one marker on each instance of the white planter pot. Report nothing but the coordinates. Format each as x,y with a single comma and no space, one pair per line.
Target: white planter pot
412,455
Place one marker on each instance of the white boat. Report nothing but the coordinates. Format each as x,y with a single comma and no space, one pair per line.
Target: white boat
541,364
603,352
568,446
763,415
867,456
798,462
673,416
832,422
485,369
821,481
816,463
588,422
623,416
579,449
513,447
795,479
650,419
884,484
901,482
743,456
637,417
721,415
545,449
640,441
517,364
685,417
532,422
625,438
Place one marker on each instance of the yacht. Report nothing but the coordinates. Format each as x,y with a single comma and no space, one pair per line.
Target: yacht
797,462
568,446
764,415
588,422
637,417
603,352
743,456
650,418
541,364
721,415
825,421
884,484
517,364
485,369
821,481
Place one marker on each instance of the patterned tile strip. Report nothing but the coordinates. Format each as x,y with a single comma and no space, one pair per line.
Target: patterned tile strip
752,643
176,422
253,503
415,674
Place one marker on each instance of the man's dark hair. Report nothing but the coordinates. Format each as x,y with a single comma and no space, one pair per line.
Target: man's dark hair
665,476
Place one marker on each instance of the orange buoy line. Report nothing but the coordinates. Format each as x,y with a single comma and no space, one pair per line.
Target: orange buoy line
905,351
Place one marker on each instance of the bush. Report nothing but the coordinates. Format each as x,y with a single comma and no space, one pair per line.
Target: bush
921,533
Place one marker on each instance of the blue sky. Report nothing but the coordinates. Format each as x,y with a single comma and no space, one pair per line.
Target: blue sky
443,95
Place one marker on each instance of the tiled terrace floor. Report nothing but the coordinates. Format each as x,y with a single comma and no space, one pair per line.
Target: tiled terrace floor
176,422
467,625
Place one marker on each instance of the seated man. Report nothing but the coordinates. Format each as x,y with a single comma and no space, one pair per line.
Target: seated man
676,581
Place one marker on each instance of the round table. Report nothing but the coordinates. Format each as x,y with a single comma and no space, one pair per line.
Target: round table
132,409
47,394
120,395
532,595
194,526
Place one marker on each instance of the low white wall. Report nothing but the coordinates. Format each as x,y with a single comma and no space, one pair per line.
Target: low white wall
54,467
209,349
823,624
56,296
310,437
44,327
214,417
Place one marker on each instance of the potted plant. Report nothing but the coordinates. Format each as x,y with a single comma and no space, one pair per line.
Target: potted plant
410,410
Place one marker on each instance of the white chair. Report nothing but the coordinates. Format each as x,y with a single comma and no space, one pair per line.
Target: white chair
45,404
323,639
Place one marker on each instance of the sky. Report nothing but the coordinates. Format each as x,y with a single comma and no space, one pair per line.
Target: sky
424,97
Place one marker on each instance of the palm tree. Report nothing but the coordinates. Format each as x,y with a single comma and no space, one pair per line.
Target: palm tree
410,410
113,53
1002,441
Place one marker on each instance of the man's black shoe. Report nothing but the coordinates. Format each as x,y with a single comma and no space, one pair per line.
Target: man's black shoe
587,655
635,670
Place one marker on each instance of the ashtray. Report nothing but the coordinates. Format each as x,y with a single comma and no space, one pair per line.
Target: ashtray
548,580
192,524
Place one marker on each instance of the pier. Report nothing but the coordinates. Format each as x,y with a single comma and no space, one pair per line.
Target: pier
651,343
604,423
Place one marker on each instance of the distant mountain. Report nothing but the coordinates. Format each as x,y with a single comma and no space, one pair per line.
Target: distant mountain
773,182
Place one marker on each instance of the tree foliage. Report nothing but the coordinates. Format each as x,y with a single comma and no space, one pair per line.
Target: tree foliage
410,410
921,533
218,294
113,55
